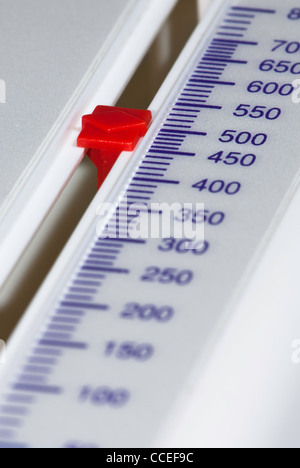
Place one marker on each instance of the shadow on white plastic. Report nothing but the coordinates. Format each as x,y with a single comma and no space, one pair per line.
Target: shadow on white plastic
2,352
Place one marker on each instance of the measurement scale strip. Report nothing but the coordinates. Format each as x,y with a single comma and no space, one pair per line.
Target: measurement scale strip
162,306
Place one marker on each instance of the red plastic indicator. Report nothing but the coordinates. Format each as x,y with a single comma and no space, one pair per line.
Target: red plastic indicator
110,130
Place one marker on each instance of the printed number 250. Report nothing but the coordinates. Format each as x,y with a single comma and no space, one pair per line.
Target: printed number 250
168,276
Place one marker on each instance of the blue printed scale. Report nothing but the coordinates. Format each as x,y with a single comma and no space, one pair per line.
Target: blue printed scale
101,357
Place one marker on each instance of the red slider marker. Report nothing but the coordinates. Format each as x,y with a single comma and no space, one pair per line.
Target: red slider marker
110,130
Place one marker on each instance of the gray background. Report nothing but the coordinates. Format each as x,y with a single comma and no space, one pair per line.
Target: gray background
46,48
